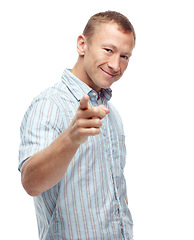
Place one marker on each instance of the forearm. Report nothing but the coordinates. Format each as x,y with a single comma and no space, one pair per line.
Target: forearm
46,168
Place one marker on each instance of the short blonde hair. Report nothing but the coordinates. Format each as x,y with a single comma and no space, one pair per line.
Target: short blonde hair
105,17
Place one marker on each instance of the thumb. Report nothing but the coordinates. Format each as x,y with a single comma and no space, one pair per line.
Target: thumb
84,102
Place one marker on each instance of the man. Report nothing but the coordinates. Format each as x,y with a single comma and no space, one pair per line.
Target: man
72,151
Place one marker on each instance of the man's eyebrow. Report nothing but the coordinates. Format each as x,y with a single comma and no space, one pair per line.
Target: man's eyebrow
110,45
129,54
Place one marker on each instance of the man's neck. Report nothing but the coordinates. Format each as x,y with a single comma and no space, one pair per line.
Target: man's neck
79,71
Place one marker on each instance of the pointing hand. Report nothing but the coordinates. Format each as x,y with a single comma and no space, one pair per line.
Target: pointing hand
87,121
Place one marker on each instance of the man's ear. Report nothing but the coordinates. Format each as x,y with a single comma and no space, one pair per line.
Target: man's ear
81,45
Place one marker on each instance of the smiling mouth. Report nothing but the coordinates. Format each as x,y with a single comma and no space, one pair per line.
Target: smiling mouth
109,74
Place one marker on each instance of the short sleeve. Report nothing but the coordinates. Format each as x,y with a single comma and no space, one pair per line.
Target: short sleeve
41,125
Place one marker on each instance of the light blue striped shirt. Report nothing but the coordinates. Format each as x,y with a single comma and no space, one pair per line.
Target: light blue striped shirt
90,200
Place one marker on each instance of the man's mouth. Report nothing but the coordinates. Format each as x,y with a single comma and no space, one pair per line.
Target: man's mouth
112,75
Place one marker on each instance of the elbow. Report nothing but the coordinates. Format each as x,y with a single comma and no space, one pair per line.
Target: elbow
28,184
31,190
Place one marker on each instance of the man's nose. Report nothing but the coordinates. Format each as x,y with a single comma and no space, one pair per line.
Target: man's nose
114,63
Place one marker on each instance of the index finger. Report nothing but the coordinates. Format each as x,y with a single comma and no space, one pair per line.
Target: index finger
84,102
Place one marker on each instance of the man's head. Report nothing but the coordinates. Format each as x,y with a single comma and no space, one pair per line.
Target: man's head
108,17
104,48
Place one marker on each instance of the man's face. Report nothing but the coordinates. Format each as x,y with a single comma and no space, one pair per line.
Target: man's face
106,55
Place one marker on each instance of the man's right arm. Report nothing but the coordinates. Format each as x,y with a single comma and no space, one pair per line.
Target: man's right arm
46,168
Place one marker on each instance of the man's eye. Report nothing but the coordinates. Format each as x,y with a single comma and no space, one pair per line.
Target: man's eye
108,50
125,57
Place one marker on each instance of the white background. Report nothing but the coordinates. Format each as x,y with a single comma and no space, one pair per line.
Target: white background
155,99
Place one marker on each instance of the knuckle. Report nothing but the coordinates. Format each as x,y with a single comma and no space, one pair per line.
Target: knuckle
80,131
95,110
103,114
79,114
95,131
79,123
98,122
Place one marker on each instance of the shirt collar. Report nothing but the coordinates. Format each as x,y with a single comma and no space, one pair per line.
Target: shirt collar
79,88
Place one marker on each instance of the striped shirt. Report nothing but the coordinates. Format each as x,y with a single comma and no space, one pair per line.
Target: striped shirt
90,200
